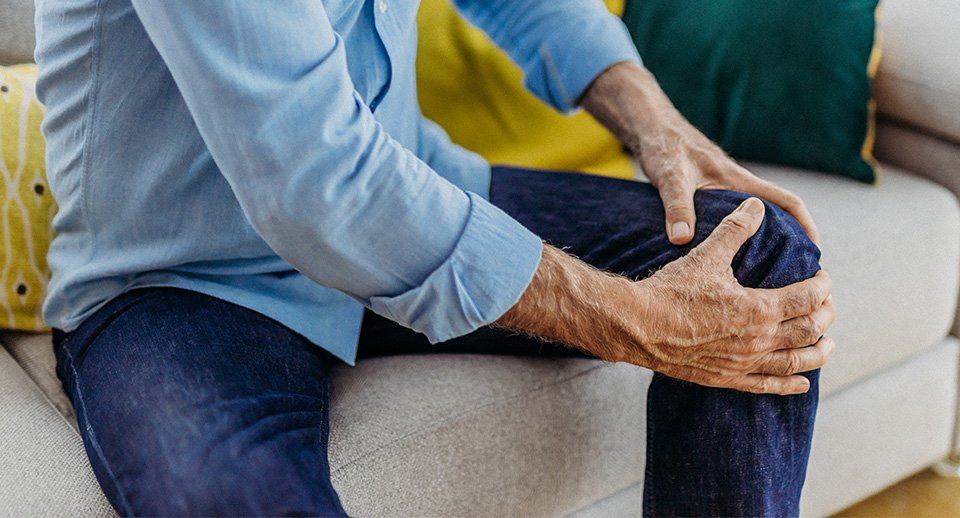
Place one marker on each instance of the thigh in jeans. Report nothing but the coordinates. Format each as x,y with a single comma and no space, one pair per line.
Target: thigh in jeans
710,452
189,405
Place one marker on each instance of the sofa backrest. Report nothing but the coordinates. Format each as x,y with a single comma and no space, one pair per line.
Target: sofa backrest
16,31
917,88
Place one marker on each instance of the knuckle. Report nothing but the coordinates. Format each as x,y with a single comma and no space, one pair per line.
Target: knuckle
800,302
792,200
756,347
737,222
677,209
811,330
762,310
792,364
761,385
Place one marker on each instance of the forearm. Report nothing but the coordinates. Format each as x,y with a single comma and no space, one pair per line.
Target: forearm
629,102
573,303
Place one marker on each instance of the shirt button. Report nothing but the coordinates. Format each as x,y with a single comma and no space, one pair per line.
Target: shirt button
383,6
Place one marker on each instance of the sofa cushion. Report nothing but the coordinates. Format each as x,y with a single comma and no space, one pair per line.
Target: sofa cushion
16,31
45,471
892,250
479,425
26,203
34,353
438,435
919,78
776,81
494,114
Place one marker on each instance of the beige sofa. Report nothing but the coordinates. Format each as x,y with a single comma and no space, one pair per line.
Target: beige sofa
463,436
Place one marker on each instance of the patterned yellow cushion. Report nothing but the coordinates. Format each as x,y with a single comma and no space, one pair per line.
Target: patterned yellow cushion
493,114
26,206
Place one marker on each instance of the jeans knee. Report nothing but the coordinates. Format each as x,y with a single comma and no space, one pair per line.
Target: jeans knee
779,254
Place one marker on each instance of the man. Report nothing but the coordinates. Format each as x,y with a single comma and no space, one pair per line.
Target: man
238,180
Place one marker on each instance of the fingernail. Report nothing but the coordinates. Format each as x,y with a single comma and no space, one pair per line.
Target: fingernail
805,385
751,206
679,229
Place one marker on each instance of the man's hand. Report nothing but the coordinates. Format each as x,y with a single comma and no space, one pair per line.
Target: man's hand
703,326
677,158
691,320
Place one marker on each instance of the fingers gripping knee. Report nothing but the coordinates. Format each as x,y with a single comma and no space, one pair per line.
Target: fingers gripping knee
779,254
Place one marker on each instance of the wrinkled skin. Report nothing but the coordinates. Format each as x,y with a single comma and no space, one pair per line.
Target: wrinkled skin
706,328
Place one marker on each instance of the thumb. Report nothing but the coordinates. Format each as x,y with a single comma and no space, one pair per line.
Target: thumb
735,229
680,217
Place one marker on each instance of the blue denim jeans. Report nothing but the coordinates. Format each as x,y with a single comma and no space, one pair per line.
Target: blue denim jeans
189,405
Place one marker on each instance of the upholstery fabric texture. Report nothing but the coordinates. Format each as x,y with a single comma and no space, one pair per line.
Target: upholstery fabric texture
740,70
16,31
853,425
893,257
494,115
34,353
533,432
45,469
25,201
919,78
923,153
892,424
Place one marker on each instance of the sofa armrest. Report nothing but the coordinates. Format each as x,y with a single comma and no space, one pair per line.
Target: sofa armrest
45,469
918,83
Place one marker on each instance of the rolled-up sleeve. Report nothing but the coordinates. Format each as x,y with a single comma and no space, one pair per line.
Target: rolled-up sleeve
561,45
321,181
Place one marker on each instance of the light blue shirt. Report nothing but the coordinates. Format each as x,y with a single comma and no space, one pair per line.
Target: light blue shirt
273,154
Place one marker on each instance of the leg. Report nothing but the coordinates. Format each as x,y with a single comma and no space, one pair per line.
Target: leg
710,452
189,405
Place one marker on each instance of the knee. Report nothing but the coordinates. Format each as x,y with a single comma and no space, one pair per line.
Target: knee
780,253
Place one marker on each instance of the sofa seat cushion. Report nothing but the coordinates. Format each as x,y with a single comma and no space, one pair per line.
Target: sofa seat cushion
893,251
439,434
34,353
43,468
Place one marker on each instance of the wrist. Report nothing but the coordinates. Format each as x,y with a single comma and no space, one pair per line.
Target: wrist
629,102
575,304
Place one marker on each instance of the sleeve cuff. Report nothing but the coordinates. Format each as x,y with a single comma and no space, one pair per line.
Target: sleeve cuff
490,267
571,66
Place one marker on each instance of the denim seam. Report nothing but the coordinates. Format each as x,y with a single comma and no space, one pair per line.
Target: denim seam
648,479
92,435
325,442
474,410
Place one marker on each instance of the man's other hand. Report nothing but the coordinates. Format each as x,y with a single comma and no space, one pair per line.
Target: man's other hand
702,326
676,157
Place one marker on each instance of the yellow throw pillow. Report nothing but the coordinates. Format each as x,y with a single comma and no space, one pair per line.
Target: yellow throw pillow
494,115
26,205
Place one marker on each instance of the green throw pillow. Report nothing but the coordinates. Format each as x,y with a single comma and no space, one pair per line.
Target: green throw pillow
785,81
